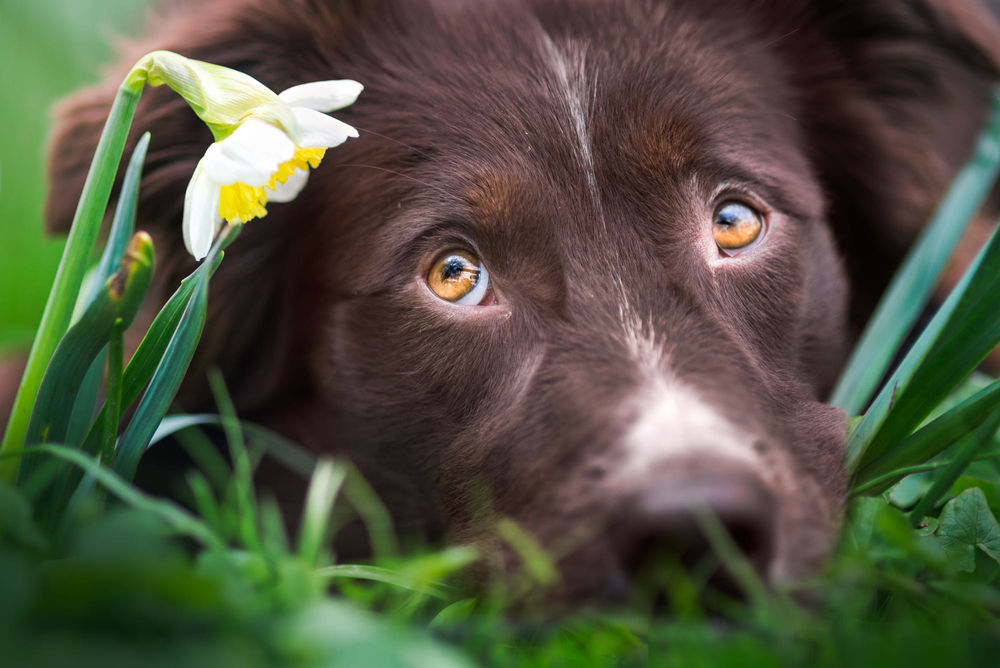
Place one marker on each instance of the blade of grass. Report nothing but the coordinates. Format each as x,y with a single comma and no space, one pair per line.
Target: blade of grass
933,437
273,533
739,567
887,480
537,562
242,479
384,575
294,457
963,331
326,483
181,521
205,503
968,448
911,288
206,457
69,275
372,512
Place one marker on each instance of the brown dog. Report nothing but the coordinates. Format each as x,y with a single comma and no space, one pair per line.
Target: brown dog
583,260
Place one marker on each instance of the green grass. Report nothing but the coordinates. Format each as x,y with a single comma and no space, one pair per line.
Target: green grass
94,572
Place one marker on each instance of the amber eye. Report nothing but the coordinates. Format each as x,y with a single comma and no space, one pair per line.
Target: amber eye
736,226
459,277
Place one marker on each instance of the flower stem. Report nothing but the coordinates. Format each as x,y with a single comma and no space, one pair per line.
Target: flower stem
69,276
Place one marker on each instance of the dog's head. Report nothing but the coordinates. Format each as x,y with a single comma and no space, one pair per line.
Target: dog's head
581,267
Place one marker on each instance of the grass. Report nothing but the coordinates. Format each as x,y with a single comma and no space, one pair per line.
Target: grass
95,572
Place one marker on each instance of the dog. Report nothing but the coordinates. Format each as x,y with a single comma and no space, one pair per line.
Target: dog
587,265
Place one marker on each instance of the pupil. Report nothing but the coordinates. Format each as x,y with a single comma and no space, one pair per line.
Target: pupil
452,269
732,215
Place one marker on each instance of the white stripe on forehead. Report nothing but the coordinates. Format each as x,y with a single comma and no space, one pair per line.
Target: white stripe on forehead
569,69
640,340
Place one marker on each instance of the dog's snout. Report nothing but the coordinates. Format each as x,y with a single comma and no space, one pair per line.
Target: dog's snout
666,520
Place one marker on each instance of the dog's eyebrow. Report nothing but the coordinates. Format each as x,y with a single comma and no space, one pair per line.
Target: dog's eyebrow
664,148
495,195
772,181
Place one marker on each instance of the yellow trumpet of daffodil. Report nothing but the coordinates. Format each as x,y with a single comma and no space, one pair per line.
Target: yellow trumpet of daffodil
265,142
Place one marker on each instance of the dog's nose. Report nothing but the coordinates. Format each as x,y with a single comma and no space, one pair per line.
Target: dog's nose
666,520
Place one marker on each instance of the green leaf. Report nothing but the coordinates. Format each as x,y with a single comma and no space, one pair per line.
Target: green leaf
122,228
17,527
373,513
171,514
336,633
66,286
990,489
737,565
967,449
911,288
436,566
861,523
86,401
910,490
116,353
326,483
454,615
150,351
967,524
932,438
165,381
289,454
137,373
242,478
537,562
123,224
385,575
963,331
118,300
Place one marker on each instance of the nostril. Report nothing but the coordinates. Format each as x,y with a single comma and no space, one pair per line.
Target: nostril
661,521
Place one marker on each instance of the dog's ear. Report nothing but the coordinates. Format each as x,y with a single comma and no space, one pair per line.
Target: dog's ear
894,92
250,330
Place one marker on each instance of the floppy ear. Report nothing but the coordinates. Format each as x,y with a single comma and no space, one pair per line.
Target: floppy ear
894,92
250,331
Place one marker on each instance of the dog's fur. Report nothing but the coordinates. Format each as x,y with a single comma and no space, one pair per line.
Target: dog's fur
626,370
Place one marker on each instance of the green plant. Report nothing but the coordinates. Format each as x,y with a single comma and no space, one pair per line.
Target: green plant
92,570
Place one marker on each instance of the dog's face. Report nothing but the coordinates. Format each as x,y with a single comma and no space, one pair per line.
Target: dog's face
580,268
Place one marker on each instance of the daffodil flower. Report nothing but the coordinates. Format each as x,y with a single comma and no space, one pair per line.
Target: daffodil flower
265,143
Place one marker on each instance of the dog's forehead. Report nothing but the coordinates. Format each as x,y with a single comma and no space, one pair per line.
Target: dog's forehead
574,108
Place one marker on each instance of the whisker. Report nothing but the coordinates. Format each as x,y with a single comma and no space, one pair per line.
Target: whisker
431,186
395,141
782,38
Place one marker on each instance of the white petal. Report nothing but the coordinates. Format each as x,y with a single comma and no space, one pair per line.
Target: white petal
319,130
323,95
226,170
290,189
201,213
258,145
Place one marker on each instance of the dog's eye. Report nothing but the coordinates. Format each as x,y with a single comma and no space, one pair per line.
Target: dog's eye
459,277
736,226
